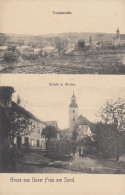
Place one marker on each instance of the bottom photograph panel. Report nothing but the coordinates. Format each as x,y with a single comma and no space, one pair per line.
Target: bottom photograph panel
62,124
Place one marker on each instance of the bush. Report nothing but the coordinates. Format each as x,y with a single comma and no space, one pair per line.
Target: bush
11,56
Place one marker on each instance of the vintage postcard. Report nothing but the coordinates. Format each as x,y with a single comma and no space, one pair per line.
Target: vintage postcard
62,97
62,37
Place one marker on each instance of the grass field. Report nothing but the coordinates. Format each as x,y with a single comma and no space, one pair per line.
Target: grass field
99,62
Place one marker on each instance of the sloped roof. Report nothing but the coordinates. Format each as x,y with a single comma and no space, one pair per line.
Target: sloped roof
122,37
82,120
51,123
18,108
73,105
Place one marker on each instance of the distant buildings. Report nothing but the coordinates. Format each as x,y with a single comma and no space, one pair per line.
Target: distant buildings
119,39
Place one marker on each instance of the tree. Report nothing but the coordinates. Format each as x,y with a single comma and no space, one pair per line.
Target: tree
81,44
60,44
19,121
105,137
74,140
113,112
11,56
50,132
14,121
2,39
74,135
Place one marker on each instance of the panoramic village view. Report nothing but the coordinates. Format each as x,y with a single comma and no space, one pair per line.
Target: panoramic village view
63,53
31,145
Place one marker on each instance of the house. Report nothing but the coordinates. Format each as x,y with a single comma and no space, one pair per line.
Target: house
32,138
83,127
48,50
25,136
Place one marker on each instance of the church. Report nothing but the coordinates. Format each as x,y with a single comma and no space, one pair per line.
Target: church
78,122
119,39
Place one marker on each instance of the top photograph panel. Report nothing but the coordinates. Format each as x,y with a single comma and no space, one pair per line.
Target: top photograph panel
60,37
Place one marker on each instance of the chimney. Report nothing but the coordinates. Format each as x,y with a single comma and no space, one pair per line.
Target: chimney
18,100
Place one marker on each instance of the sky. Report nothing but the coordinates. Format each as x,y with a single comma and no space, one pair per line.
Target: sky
52,102
35,17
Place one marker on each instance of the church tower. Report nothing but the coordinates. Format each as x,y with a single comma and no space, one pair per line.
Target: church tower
90,41
118,33
73,112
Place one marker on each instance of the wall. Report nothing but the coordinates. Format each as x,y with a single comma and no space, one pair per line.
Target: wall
72,115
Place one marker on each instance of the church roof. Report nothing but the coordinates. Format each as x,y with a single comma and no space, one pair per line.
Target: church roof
82,120
122,37
115,38
73,105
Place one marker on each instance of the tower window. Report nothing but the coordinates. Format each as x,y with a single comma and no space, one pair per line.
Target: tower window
73,119
73,111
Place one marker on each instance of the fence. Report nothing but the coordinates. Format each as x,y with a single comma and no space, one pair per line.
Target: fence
59,146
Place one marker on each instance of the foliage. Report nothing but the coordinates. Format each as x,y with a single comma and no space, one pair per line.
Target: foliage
19,121
11,56
18,118
74,140
81,44
106,137
6,95
88,144
11,48
74,135
2,39
60,44
49,132
114,113
113,120
88,141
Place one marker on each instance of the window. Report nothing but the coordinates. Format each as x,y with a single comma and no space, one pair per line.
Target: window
73,119
38,128
38,143
26,141
33,125
32,142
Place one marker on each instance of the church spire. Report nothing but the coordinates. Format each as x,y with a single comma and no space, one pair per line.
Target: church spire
117,32
73,103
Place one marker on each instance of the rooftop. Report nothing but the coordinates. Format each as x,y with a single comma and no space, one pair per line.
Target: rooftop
18,108
83,120
51,123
